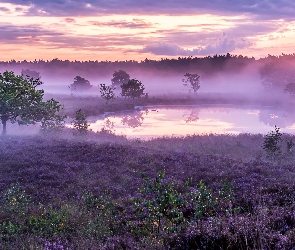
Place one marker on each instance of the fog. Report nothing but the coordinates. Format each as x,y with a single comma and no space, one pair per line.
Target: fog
246,82
220,83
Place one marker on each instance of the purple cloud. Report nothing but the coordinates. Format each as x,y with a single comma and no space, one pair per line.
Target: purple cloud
135,24
4,9
171,49
13,34
270,9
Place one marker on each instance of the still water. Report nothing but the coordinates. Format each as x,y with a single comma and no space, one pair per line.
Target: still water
155,121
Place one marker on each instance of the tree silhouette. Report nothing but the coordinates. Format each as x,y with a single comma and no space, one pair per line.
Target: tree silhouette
120,77
192,81
107,92
31,74
133,88
80,84
290,88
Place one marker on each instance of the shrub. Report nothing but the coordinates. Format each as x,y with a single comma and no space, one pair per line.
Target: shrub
80,123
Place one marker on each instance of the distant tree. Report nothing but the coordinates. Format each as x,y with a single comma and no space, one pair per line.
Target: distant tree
80,123
120,77
192,81
277,74
133,88
21,102
80,84
107,92
31,74
290,88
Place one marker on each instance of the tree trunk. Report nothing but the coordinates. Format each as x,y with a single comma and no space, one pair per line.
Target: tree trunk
4,120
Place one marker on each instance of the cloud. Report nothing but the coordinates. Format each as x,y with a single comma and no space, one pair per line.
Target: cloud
69,20
13,34
224,45
5,9
135,24
267,9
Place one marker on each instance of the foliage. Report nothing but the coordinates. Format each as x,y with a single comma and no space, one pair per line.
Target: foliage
272,143
48,222
277,73
21,102
192,81
101,215
290,88
52,121
160,209
80,123
133,88
274,146
217,213
107,92
15,200
80,84
120,77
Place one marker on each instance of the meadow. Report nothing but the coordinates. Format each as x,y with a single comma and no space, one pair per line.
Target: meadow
102,191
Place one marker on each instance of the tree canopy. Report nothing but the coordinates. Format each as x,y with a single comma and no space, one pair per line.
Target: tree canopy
107,92
120,77
21,102
31,74
192,81
133,88
80,84
290,88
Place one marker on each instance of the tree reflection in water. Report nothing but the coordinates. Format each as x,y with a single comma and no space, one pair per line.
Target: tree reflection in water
135,119
191,116
280,117
108,126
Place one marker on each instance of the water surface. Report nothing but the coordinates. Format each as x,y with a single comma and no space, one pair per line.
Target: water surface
155,121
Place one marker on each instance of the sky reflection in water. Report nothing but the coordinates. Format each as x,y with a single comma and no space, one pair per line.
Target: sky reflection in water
180,120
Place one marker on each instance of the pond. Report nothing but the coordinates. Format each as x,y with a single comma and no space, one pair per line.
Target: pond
155,121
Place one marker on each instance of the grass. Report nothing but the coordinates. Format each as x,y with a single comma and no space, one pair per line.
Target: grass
103,191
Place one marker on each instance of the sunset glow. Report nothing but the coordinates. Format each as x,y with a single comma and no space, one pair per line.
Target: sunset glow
98,30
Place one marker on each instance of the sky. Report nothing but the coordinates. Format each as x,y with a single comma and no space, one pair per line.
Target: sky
138,29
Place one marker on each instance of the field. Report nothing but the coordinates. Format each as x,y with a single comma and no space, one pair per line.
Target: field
102,191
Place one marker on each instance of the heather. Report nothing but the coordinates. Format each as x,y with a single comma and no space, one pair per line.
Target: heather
101,191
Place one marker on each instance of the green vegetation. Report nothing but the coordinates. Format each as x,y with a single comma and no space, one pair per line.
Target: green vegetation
80,123
21,102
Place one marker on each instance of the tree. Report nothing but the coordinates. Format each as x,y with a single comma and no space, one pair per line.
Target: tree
80,84
192,81
30,74
21,102
277,74
80,123
107,92
133,88
120,77
290,88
